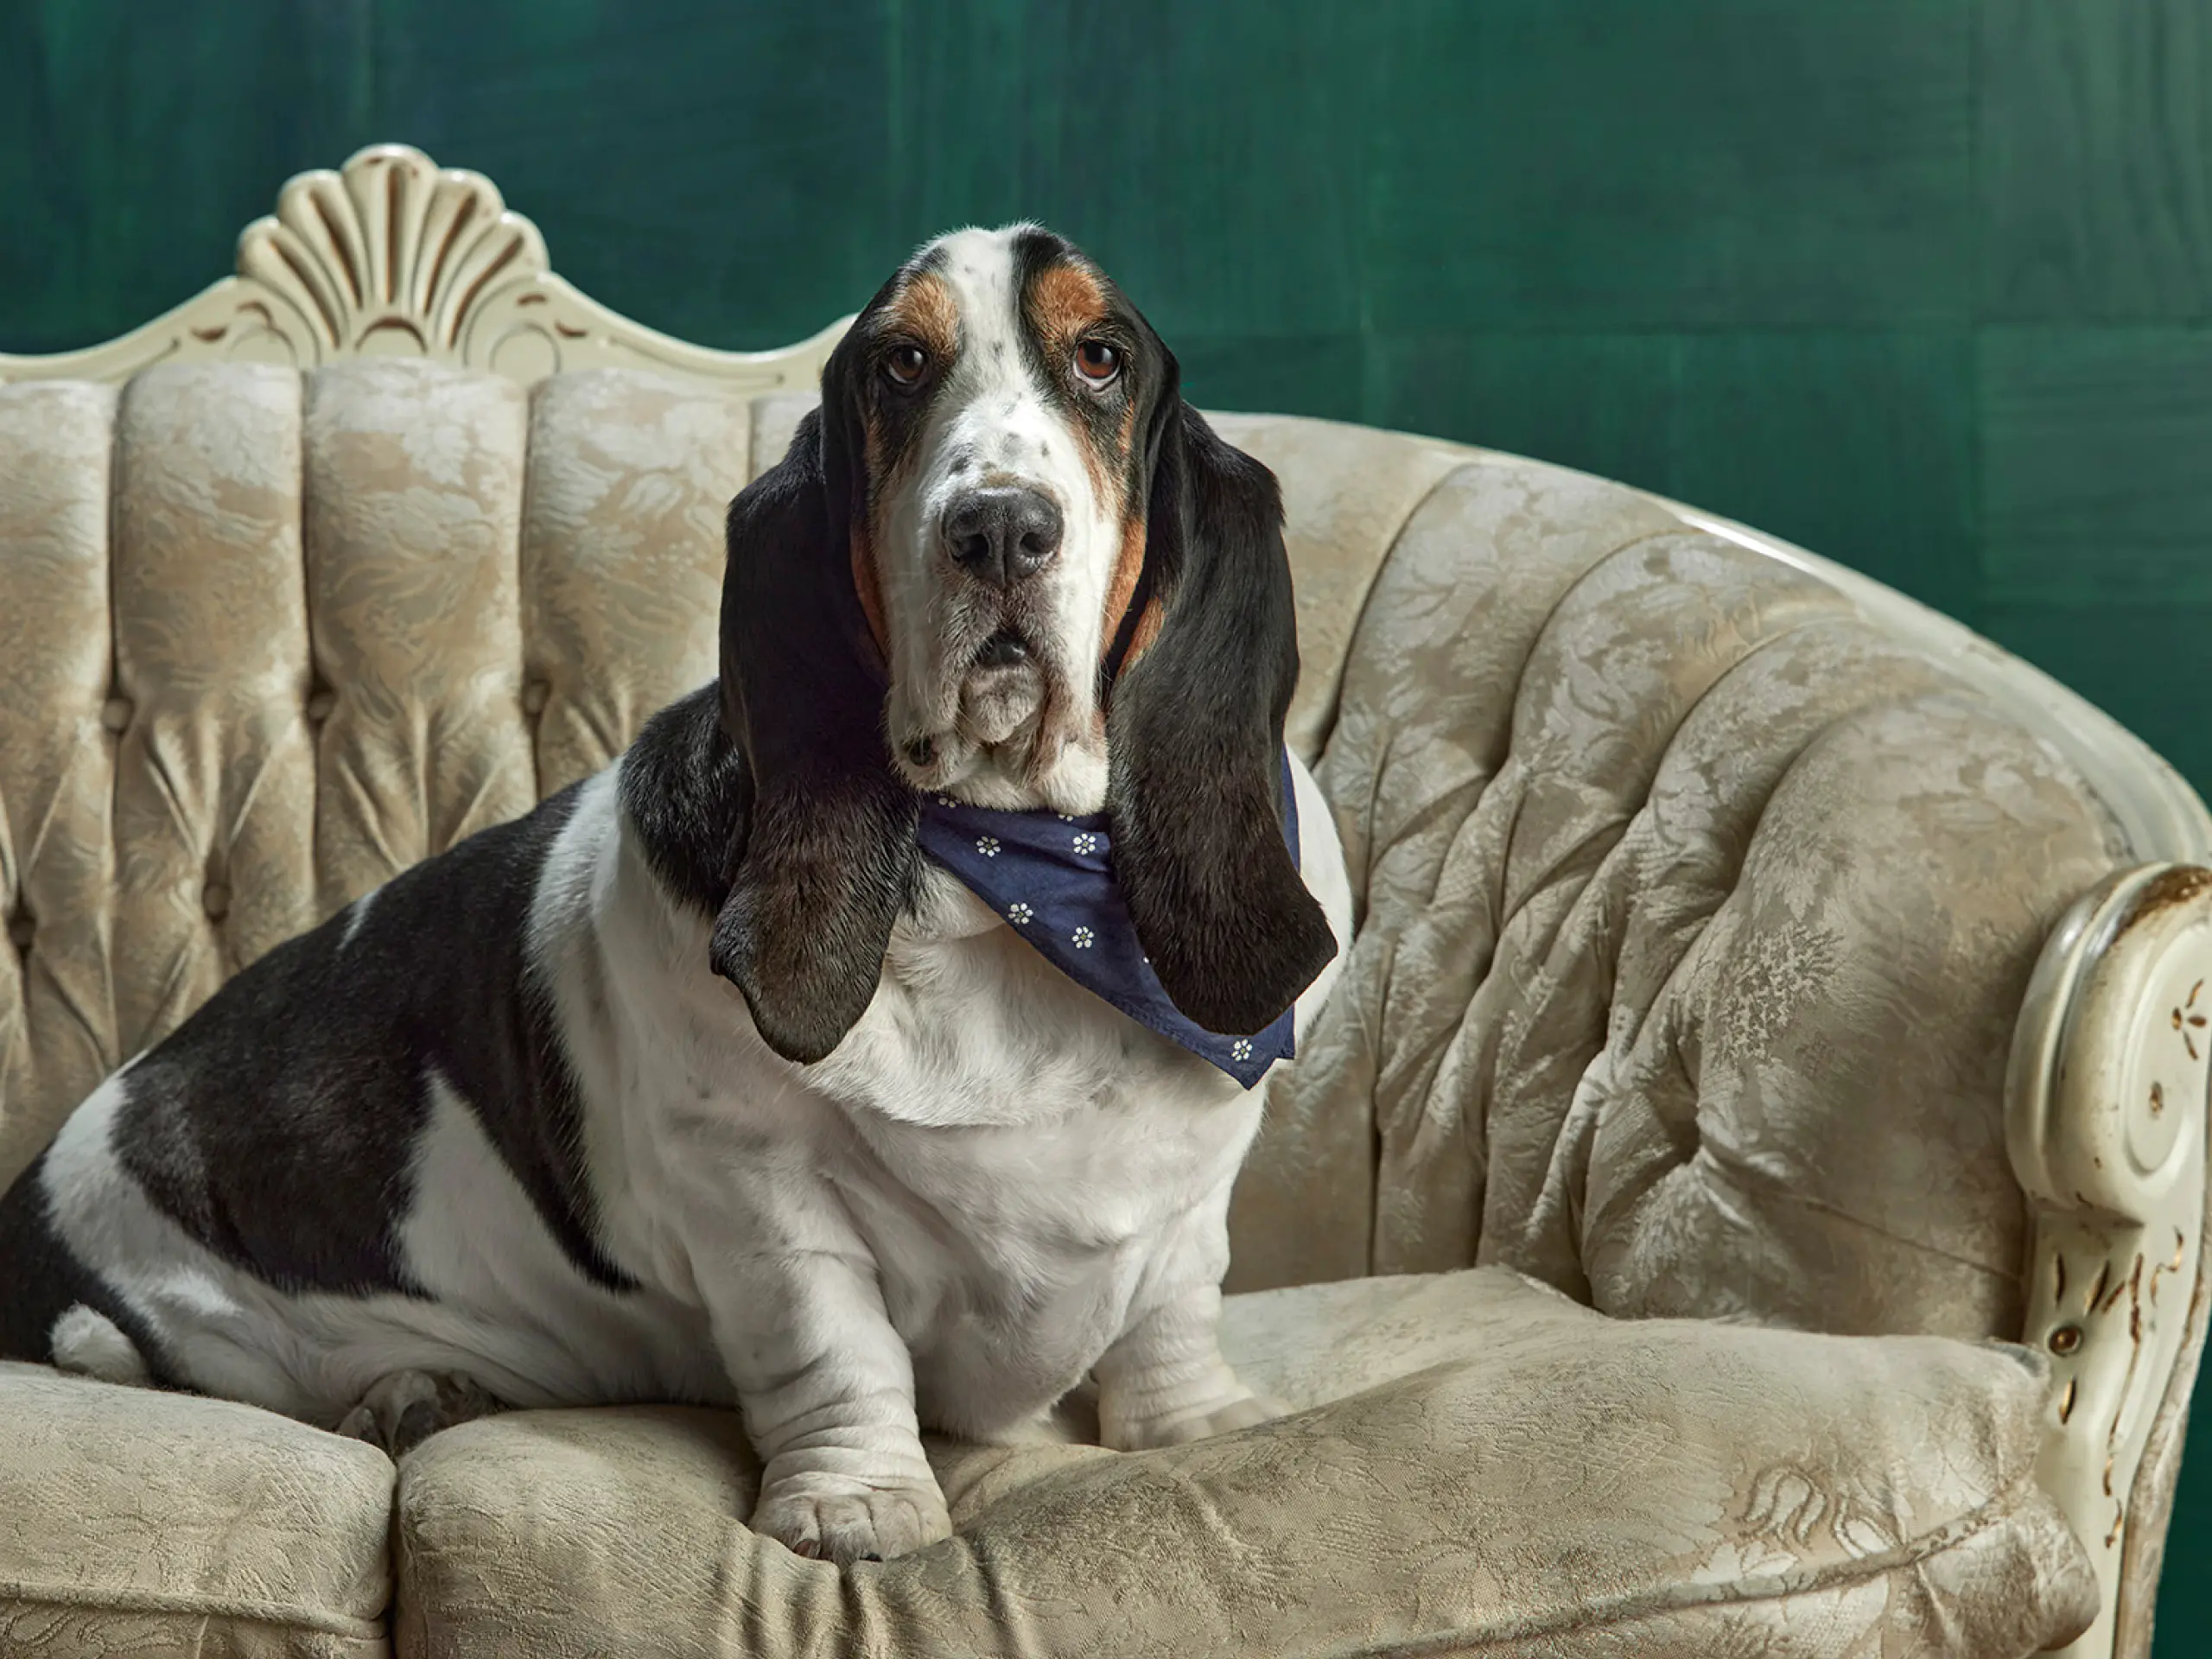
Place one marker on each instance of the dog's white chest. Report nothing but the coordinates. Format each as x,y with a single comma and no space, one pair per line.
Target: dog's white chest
1010,1256
1013,1156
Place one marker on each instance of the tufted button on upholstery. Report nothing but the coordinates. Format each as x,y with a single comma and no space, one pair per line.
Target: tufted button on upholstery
320,703
534,695
20,931
115,713
216,901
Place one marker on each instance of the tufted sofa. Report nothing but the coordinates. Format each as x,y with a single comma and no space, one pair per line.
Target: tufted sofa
1746,1195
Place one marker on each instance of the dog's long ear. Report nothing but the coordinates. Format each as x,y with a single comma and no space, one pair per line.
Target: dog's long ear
830,850
1195,778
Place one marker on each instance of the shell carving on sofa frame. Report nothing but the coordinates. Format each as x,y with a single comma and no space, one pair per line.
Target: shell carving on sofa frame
394,256
2106,1085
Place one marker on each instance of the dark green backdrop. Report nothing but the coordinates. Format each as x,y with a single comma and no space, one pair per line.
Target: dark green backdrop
1923,284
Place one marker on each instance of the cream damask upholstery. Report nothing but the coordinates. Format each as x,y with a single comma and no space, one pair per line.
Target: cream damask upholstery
1735,940
271,640
1749,1502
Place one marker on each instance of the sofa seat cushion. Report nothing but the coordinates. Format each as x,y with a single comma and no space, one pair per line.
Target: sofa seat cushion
147,1524
1472,1460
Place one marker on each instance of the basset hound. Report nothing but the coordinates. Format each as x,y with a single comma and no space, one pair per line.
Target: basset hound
872,1046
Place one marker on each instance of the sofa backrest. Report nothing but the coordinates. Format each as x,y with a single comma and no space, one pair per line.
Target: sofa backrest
271,638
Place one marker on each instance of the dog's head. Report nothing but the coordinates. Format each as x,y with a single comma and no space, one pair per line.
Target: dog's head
1007,562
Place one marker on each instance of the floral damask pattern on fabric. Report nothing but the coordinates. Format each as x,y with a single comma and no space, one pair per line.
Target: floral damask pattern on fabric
1695,912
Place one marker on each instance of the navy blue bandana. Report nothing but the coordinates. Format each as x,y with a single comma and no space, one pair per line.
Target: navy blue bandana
1052,877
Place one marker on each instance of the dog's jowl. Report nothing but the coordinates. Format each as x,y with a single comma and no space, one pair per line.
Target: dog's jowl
871,1048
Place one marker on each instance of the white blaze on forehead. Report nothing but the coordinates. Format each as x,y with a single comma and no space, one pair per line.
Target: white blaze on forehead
993,421
995,413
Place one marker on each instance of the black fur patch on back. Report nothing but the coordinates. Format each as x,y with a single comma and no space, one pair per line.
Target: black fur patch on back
277,1125
41,1279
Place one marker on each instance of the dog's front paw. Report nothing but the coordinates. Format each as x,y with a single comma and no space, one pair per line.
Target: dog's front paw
1124,1432
844,1520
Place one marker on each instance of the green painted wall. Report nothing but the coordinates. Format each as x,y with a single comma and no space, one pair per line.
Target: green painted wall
1924,284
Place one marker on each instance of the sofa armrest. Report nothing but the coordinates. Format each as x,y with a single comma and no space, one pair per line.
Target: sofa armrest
2105,1123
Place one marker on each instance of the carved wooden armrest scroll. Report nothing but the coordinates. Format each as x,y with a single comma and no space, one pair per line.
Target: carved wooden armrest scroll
394,256
2105,1107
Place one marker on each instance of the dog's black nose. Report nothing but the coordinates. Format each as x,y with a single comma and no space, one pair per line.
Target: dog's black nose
1000,536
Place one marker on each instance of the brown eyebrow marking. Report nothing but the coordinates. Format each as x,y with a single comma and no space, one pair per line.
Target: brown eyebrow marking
1065,300
925,309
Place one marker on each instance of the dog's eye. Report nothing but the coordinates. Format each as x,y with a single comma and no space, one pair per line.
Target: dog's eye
1097,362
905,364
